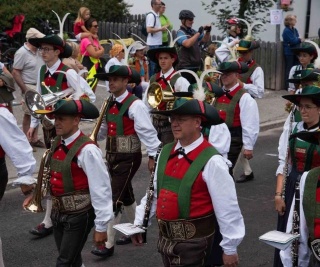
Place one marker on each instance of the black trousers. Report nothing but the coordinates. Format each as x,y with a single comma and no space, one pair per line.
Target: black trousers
122,168
192,252
70,233
235,147
3,177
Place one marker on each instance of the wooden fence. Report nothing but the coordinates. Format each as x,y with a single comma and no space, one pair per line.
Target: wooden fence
269,56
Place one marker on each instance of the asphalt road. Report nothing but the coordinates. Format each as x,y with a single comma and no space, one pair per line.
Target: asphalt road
255,198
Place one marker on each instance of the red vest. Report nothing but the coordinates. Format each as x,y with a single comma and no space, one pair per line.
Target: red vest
236,112
200,203
54,81
2,153
79,178
128,124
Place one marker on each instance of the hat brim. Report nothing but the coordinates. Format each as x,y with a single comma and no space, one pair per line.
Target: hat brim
88,110
209,117
295,99
242,48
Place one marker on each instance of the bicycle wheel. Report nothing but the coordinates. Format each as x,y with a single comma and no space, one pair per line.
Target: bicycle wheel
7,58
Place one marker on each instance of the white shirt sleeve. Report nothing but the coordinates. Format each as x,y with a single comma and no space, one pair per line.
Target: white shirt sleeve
75,81
17,148
291,73
224,198
181,85
143,126
256,89
91,161
249,116
220,138
223,52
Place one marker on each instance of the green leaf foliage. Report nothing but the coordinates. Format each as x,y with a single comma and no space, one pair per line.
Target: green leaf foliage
102,10
245,9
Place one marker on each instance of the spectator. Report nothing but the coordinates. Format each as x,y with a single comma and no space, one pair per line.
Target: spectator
165,22
189,55
290,38
27,62
91,52
210,60
79,29
140,63
154,29
72,61
233,30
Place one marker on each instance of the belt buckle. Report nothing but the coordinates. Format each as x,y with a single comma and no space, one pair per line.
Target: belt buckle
68,203
177,230
123,144
315,247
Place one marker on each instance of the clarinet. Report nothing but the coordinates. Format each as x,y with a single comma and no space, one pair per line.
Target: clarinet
150,193
296,224
286,166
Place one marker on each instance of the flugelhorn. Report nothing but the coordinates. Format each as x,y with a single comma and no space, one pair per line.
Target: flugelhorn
155,94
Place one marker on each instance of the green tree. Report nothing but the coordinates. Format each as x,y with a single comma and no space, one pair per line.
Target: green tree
102,10
246,9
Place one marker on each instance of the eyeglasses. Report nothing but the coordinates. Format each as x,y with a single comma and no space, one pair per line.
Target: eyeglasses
95,26
305,107
45,49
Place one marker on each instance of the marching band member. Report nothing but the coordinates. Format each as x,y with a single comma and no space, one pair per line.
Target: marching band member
52,49
192,166
79,183
127,124
167,59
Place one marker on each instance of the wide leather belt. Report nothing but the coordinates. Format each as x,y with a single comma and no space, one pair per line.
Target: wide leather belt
123,144
76,202
178,230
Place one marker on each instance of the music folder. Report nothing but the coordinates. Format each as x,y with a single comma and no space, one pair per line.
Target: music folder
128,228
278,239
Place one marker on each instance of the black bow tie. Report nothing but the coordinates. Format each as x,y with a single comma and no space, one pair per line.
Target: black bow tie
228,95
180,151
118,104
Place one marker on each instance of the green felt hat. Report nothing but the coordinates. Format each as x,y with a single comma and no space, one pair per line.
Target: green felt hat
120,71
153,54
307,48
6,90
245,45
308,74
308,136
184,106
56,41
233,66
73,107
308,91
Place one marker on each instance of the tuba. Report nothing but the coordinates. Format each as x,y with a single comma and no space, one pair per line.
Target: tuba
42,186
155,95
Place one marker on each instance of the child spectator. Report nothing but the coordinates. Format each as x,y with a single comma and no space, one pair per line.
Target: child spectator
210,60
73,61
80,31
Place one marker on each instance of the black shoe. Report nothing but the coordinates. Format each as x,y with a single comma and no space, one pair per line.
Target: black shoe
245,178
41,231
103,251
124,240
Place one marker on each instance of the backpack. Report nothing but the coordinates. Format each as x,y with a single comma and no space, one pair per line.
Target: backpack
144,24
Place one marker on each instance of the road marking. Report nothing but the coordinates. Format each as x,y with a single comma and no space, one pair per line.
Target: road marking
272,155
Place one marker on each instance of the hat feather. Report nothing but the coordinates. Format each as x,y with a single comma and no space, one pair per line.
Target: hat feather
61,23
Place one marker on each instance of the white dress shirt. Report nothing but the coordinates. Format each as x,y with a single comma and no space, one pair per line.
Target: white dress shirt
304,251
74,81
90,159
16,146
249,117
223,194
220,138
142,125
